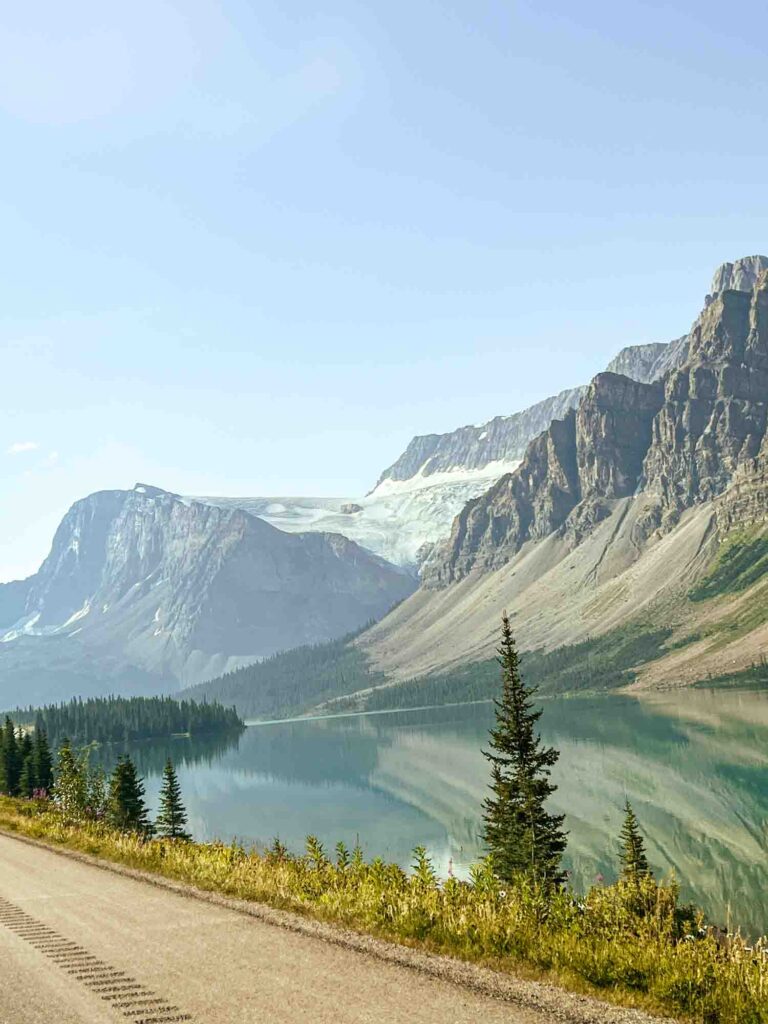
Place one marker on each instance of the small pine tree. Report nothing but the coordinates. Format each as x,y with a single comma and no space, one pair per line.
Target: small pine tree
172,819
43,760
521,836
126,809
634,863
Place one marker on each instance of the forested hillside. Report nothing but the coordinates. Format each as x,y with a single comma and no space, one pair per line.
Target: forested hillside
293,681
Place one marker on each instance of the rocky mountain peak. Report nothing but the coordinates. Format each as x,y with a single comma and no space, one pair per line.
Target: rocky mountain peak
682,439
152,492
162,588
740,276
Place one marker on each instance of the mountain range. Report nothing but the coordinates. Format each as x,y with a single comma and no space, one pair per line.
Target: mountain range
602,508
146,590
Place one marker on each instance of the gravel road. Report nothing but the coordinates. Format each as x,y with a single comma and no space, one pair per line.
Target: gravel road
83,945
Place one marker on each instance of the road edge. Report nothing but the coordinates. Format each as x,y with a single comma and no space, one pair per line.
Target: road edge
539,996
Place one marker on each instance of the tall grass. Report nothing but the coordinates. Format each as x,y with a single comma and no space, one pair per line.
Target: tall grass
630,942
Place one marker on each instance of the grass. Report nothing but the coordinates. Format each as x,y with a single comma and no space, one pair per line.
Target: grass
753,678
629,943
741,561
598,664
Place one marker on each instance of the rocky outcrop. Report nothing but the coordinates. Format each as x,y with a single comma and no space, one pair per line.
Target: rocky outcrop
613,430
502,439
594,454
182,589
741,276
682,440
647,363
715,411
506,438
745,502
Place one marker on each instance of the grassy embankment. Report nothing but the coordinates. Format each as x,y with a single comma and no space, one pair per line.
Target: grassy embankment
629,943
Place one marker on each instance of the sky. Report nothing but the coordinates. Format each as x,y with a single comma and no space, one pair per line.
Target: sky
253,248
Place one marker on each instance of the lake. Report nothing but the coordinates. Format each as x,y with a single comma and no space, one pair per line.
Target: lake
693,763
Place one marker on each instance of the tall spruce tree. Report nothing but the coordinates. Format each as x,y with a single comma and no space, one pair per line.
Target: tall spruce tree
27,777
126,809
43,761
634,863
172,819
10,771
521,836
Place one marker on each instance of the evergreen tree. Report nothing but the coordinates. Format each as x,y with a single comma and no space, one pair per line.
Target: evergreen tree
70,790
10,771
25,756
521,836
172,819
126,809
43,761
27,777
634,863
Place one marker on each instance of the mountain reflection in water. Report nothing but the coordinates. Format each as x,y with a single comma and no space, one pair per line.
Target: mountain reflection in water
693,763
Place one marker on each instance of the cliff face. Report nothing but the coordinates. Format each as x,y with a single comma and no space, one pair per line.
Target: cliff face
682,440
713,420
506,438
594,453
180,588
502,439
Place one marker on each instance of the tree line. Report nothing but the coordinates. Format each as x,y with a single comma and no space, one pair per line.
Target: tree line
80,792
290,681
125,719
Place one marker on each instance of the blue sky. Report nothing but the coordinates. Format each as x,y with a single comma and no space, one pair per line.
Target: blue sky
252,248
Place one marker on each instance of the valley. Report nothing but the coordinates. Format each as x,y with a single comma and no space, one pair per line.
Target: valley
606,510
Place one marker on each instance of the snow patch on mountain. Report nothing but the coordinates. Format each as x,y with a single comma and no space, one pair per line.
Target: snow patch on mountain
395,521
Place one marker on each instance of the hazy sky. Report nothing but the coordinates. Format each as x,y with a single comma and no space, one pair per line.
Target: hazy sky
252,248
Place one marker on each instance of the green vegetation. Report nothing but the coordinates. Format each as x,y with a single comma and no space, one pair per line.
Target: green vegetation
627,942
630,941
289,682
753,678
741,561
172,820
522,838
634,863
602,663
124,719
26,765
126,810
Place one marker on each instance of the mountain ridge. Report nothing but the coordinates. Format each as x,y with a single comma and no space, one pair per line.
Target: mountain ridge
181,590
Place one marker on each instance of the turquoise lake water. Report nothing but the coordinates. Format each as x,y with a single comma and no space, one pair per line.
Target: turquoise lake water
693,763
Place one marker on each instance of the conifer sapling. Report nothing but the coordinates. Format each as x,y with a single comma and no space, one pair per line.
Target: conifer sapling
172,818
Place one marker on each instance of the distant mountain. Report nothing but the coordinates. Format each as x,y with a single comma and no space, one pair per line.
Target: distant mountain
504,439
630,545
144,589
415,501
646,506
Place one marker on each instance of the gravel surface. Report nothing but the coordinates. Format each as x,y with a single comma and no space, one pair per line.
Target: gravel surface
185,954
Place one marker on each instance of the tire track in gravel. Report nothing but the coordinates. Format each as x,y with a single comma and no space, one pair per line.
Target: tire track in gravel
124,993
